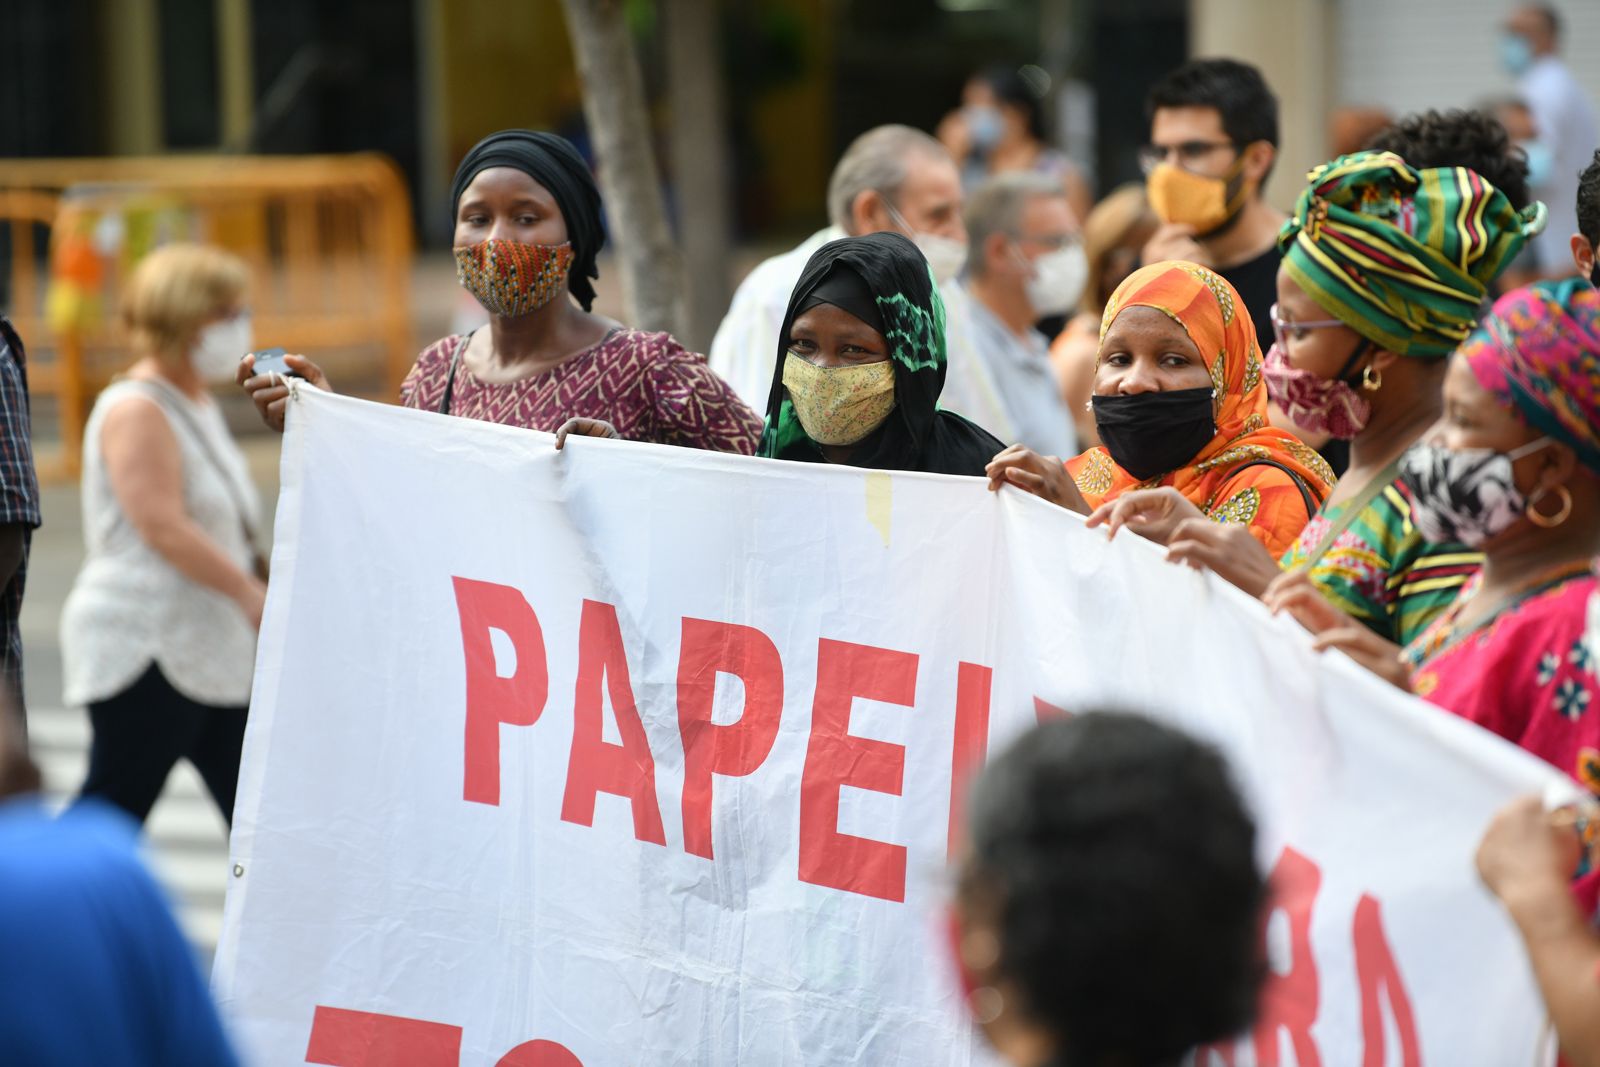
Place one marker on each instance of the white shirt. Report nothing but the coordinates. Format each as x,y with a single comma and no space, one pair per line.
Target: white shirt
1565,118
129,607
1004,382
745,350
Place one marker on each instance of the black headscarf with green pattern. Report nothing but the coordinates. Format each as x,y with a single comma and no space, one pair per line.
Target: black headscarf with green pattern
916,436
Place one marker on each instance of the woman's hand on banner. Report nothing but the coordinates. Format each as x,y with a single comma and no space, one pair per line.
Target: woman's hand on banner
1228,548
1150,513
270,392
585,428
1376,654
1528,851
1045,477
1296,593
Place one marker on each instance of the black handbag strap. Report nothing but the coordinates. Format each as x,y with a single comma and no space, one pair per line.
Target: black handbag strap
450,378
1299,483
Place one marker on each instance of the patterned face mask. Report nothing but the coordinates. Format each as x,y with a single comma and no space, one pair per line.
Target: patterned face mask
839,405
1316,404
1467,497
511,278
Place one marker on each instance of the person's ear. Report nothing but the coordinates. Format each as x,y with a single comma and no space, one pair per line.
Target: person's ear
869,213
1383,359
1583,254
997,255
1558,463
1258,157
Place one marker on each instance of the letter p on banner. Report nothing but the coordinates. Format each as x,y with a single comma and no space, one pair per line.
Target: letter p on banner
709,649
516,700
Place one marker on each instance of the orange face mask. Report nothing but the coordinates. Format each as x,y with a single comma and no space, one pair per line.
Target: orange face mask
1181,196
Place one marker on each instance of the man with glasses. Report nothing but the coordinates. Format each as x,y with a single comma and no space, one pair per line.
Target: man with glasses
893,178
1025,262
1213,141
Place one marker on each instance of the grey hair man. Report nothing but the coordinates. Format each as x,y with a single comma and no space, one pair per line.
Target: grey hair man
890,178
1025,262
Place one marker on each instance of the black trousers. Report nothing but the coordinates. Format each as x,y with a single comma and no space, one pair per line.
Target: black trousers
139,735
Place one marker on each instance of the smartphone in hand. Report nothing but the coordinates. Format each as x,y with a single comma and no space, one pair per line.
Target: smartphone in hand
271,361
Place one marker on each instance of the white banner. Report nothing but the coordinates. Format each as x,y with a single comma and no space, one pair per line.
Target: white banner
633,754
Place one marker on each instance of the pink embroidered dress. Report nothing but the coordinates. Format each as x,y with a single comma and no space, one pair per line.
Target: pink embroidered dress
647,385
1527,674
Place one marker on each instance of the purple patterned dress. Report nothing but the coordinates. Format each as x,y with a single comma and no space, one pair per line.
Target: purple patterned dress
647,385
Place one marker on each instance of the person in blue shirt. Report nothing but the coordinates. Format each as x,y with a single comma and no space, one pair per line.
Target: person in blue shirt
93,969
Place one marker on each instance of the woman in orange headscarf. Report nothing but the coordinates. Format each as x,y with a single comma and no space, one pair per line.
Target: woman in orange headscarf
1182,412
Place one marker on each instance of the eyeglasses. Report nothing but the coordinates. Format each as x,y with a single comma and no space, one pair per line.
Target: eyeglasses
1281,327
1052,244
1189,153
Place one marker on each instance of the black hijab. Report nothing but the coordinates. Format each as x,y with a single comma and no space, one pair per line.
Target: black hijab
555,164
883,280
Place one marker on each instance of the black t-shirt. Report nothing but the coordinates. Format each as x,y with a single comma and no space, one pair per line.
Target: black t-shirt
1256,281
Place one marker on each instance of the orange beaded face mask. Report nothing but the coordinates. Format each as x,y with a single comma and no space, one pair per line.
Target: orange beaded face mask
511,278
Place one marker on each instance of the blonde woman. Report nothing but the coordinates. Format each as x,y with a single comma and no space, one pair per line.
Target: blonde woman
158,634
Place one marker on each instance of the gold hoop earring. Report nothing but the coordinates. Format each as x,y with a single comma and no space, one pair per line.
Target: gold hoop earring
1550,522
1371,380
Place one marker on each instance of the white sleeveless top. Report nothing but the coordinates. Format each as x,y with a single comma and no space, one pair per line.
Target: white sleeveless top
129,607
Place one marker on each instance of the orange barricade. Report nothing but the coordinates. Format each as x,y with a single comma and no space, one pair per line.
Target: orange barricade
328,240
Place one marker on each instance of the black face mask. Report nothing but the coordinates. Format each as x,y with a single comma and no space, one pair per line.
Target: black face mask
1150,434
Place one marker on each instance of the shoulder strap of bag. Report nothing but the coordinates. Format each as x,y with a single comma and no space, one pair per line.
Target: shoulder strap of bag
1306,496
1381,481
450,378
163,397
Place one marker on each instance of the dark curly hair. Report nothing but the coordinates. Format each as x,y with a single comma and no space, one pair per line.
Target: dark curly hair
1589,201
1119,860
1460,138
1236,91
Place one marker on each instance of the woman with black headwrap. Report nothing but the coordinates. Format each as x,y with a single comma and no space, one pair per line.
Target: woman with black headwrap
527,230
861,362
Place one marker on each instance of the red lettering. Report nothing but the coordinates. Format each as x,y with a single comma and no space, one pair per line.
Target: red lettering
709,649
836,758
539,1054
363,1039
491,700
1289,1000
1044,711
596,765
1376,973
973,686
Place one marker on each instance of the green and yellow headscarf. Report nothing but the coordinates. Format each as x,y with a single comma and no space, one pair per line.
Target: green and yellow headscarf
1404,257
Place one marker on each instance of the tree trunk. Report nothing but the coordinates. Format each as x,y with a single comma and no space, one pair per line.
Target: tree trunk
700,163
614,105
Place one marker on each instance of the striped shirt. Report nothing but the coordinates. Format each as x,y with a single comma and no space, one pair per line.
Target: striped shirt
1380,570
19,496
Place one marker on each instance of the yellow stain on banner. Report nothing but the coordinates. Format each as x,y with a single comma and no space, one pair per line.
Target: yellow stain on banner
880,494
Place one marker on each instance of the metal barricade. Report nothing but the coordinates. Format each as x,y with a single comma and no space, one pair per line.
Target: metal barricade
328,240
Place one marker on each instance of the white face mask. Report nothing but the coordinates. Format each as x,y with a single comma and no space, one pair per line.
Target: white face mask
945,255
220,346
1056,284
